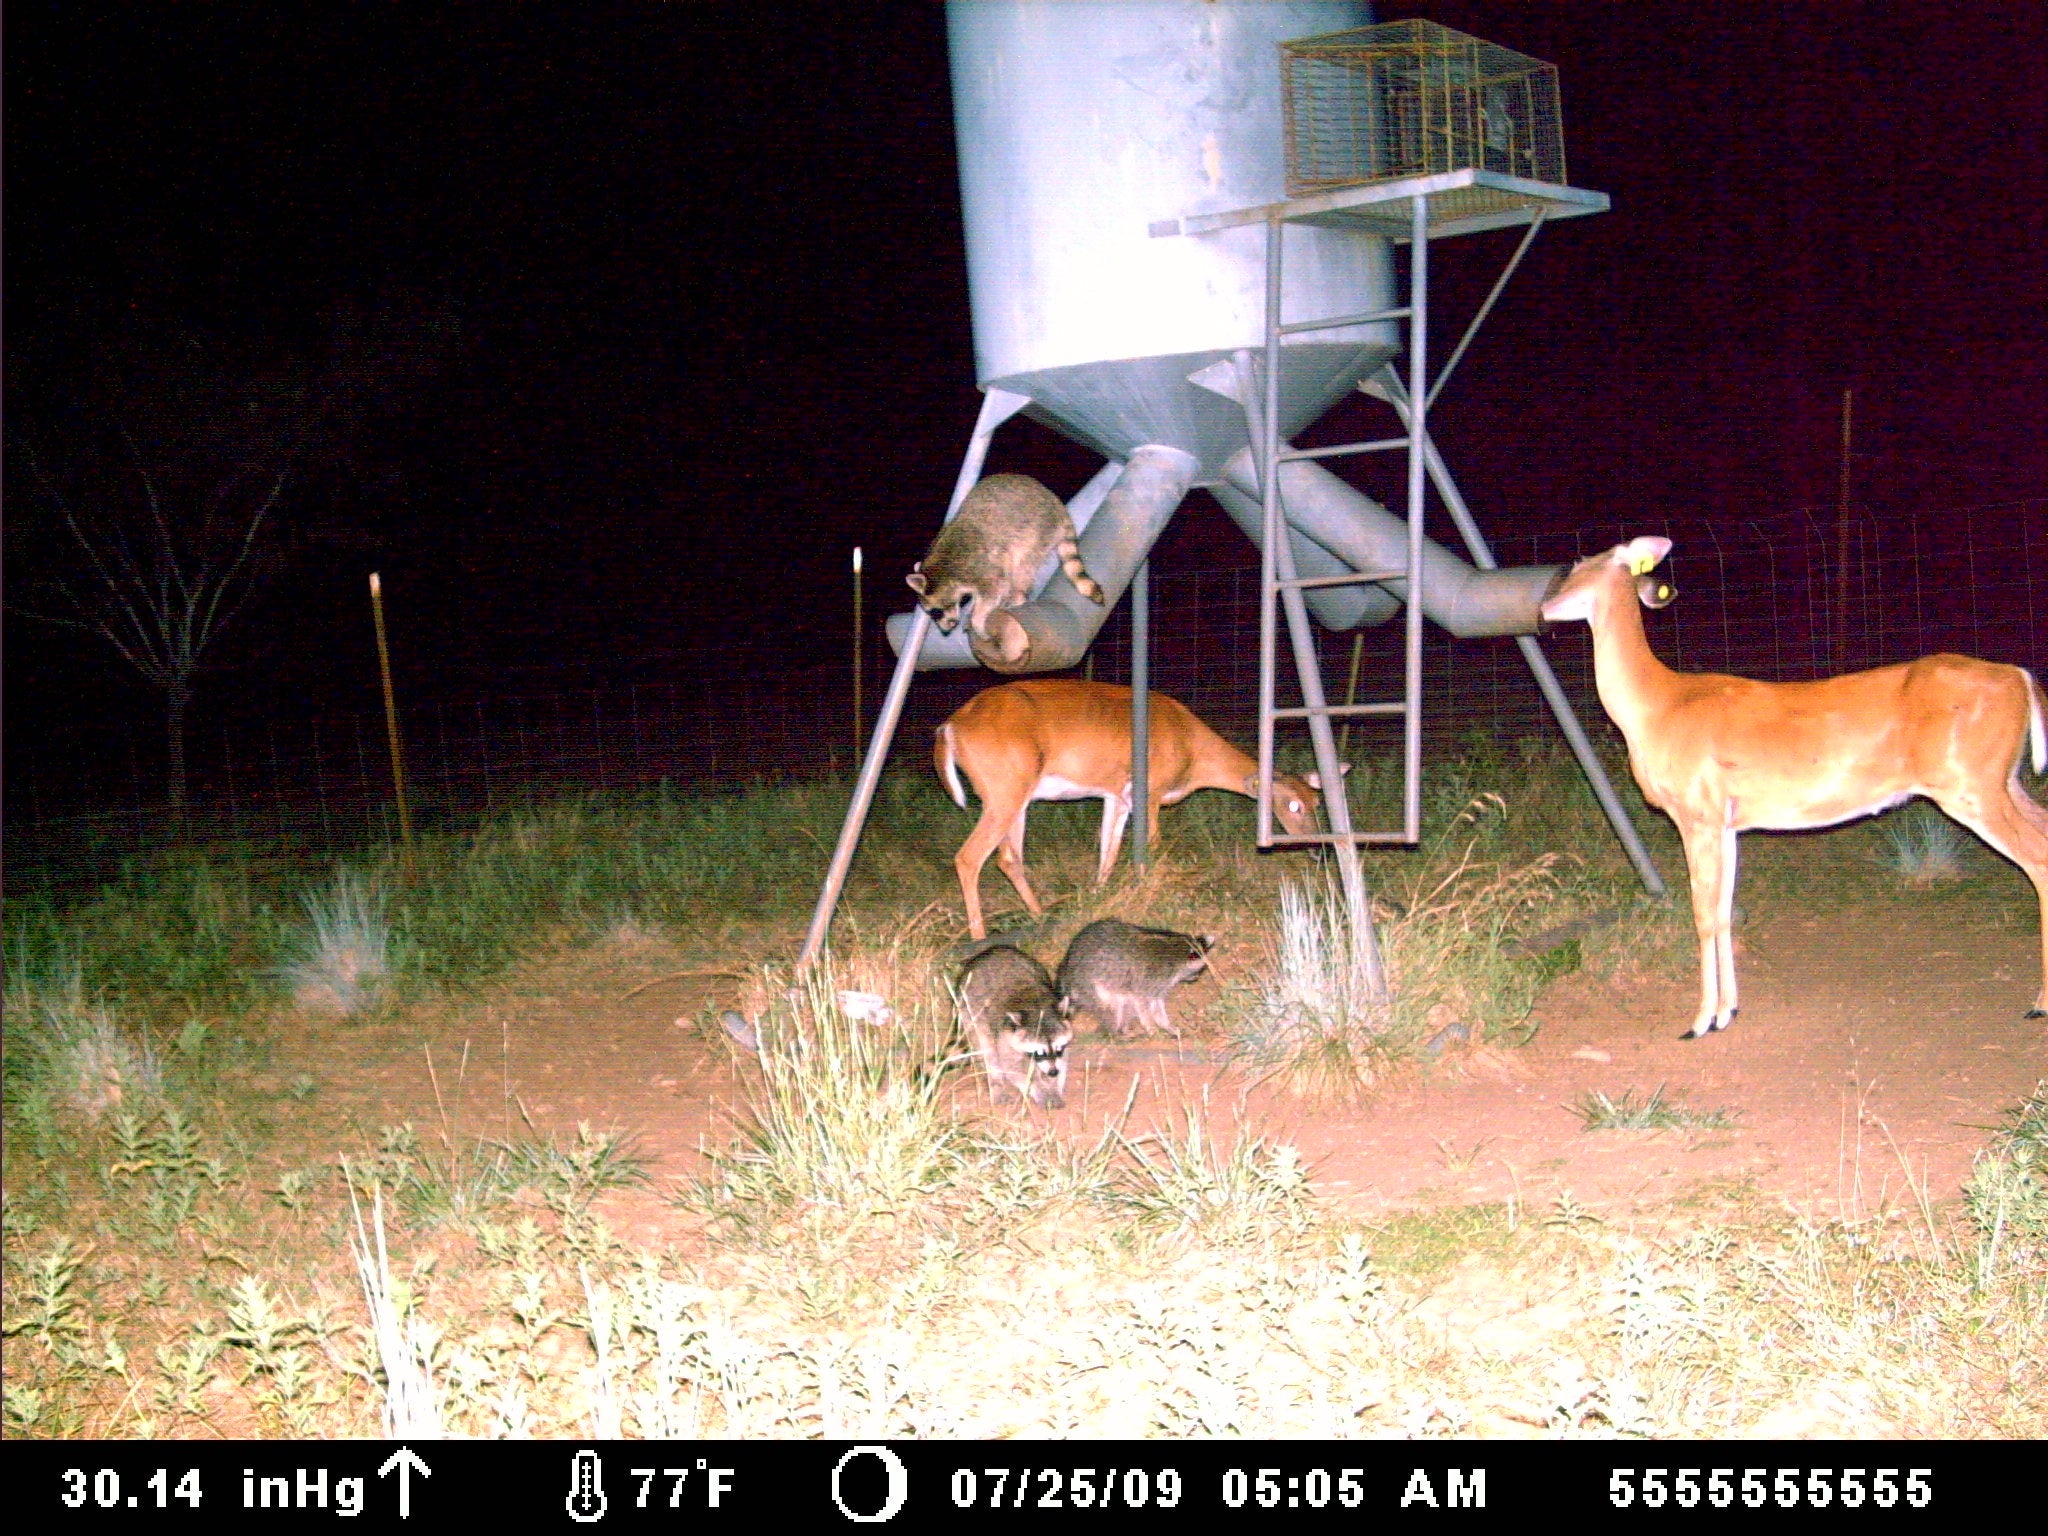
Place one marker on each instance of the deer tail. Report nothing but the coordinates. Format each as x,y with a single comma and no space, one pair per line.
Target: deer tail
2037,726
947,765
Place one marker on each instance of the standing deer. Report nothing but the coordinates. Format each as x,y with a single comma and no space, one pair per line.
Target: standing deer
1722,755
1055,738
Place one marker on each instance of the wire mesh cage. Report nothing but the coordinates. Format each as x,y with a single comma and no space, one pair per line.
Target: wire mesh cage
1412,98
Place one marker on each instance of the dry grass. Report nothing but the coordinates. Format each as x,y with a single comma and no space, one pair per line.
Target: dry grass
1275,1323
870,1256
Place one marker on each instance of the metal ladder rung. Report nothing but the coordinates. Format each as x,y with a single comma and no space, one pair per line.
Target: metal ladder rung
1377,445
1304,583
1339,322
1342,711
1331,839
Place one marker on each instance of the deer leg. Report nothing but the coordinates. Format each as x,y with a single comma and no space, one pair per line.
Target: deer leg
1724,925
1709,864
2031,830
2007,818
1010,859
1116,811
973,855
967,864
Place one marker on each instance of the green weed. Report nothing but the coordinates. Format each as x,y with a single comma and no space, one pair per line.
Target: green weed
1255,1189
846,1127
1598,1111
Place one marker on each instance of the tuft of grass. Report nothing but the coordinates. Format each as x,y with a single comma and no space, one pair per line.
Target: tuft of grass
343,964
1452,954
64,1051
456,1184
1314,1025
1254,1190
845,1127
1918,842
97,1068
1600,1112
571,1177
410,1400
2006,1195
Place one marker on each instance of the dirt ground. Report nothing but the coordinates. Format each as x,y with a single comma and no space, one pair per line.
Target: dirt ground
1878,1041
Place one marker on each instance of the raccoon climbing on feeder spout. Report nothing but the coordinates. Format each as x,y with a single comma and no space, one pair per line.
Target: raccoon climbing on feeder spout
987,557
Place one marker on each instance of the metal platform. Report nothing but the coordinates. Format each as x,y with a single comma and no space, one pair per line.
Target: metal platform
1460,202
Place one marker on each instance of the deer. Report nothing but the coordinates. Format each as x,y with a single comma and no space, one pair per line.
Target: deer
1723,755
1067,739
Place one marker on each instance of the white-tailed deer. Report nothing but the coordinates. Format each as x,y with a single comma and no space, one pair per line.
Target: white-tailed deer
1056,738
1722,754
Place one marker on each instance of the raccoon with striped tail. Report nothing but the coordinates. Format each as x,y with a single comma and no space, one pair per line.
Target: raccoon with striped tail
1118,972
986,558
1013,1020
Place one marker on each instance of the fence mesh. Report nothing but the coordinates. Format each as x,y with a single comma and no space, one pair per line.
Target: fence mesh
1777,598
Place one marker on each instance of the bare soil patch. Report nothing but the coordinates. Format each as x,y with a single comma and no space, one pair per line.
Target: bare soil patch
1879,1038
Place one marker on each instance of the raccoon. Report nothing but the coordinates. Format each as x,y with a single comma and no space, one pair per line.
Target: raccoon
1013,1019
1120,972
985,559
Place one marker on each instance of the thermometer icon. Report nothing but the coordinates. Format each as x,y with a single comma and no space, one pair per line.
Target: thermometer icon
586,1501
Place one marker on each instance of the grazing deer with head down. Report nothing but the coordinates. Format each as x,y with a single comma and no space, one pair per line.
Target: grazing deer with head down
1054,738
1721,754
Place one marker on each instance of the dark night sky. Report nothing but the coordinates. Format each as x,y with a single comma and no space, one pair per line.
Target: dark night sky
709,267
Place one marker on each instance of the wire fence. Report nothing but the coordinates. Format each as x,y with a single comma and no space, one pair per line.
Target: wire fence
1790,596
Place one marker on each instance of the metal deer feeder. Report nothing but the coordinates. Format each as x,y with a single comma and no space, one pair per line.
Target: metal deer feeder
1186,222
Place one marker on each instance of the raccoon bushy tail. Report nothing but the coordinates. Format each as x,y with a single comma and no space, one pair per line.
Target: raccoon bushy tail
1077,573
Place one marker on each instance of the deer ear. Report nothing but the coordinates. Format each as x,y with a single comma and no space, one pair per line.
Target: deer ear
917,581
1645,554
1654,592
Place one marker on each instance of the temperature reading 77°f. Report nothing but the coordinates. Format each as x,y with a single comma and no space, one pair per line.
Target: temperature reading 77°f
667,1487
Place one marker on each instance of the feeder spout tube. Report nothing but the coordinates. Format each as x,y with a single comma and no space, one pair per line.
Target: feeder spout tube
1365,536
